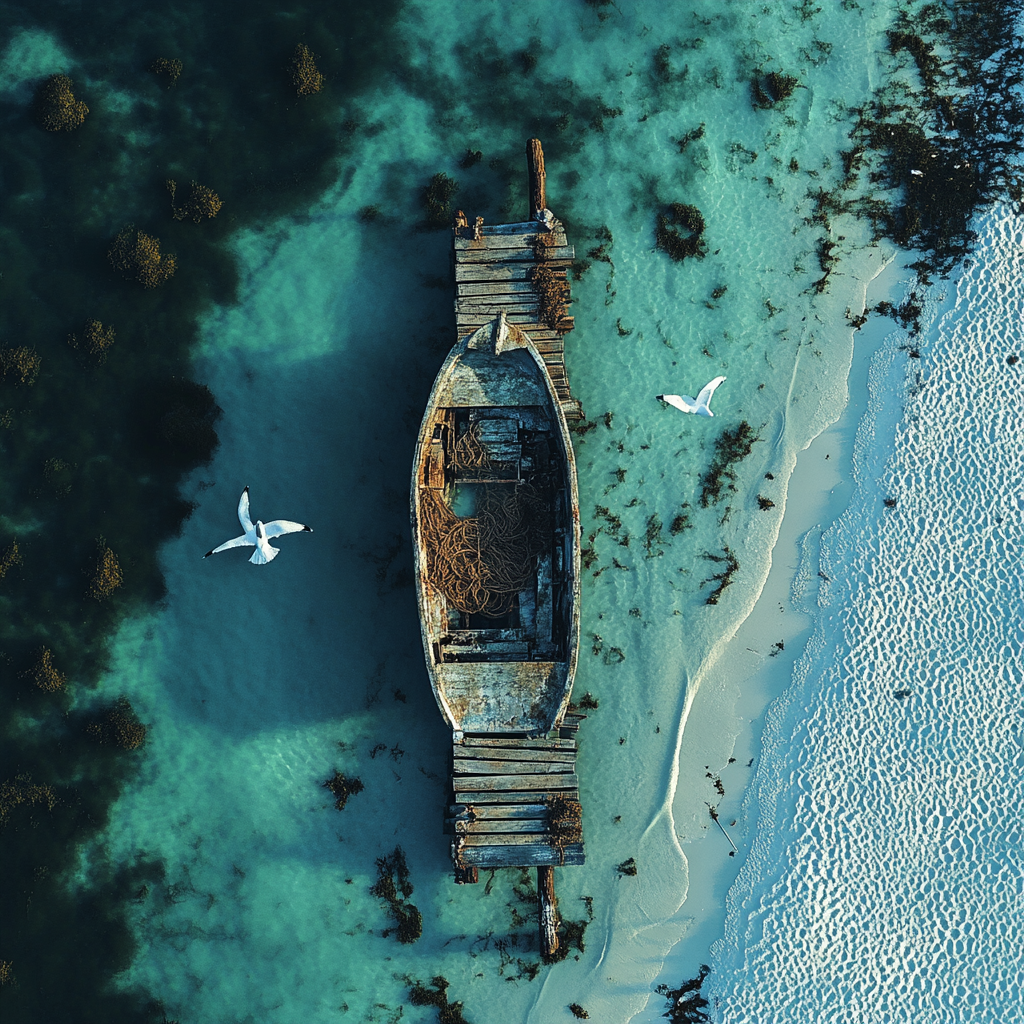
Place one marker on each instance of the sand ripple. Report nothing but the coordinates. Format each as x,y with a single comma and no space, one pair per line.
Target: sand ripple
886,882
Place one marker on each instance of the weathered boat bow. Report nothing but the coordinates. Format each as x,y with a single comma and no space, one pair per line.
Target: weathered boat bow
495,518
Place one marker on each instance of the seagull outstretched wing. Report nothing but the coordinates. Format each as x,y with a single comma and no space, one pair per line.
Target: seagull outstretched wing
704,398
243,511
238,542
279,527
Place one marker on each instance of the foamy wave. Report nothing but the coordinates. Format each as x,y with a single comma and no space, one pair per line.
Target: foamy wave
886,880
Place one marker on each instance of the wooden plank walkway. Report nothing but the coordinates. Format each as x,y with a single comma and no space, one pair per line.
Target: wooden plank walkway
514,801
498,271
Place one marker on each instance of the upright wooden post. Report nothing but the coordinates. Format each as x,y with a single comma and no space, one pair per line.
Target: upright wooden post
535,165
548,913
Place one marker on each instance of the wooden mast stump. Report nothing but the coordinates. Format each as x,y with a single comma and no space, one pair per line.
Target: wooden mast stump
535,166
548,912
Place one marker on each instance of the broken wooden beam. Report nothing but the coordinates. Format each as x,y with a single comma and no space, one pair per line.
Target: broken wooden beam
547,912
535,168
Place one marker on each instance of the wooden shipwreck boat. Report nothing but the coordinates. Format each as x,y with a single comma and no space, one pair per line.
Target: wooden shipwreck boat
495,518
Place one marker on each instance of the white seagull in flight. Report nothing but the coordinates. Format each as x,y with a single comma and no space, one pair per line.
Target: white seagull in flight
703,401
258,534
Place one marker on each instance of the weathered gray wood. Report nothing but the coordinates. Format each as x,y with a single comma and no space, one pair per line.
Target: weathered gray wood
524,827
498,839
513,754
547,912
497,812
523,856
524,240
513,271
519,228
488,305
465,766
512,783
496,798
463,244
519,254
469,288
542,743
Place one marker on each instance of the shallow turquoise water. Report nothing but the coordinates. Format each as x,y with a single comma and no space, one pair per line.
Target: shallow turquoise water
258,683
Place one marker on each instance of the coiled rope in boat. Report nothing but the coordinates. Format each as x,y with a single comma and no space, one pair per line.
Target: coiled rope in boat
482,561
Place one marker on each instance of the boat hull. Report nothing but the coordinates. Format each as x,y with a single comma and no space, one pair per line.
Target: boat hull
498,578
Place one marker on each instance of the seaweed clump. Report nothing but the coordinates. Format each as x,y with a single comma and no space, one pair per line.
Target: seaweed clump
565,820
118,726
772,88
96,339
306,76
437,995
45,674
392,879
686,1004
723,578
343,788
731,447
22,790
56,108
680,244
437,197
9,559
21,363
202,202
138,258
167,67
107,576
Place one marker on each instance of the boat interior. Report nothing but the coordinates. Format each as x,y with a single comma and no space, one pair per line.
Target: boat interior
498,474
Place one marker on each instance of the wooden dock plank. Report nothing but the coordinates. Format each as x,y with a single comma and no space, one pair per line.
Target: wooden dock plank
531,827
542,743
520,767
497,812
488,306
519,270
499,839
518,254
513,754
510,240
513,783
523,857
478,799
497,288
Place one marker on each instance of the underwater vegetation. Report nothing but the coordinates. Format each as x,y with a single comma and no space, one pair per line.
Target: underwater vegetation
774,87
437,198
342,788
168,67
437,995
120,431
107,576
732,446
118,726
96,339
306,76
680,232
20,364
44,673
685,1004
394,888
202,202
944,139
56,107
137,256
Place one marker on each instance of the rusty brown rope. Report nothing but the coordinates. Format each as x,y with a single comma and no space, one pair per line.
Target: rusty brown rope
482,561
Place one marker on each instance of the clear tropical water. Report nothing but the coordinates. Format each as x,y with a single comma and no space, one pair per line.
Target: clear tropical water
319,320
